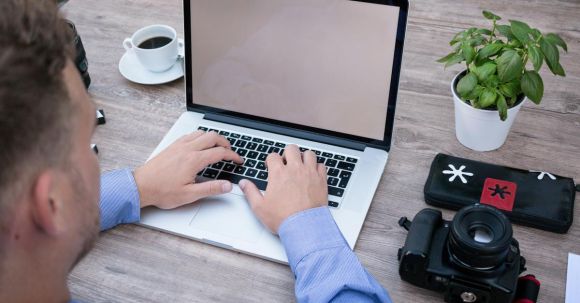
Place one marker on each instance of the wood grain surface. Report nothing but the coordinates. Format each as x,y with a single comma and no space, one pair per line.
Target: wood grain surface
135,264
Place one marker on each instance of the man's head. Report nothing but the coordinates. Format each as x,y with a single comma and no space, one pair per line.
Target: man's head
49,177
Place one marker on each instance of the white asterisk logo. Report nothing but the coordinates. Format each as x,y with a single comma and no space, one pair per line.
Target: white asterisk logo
542,174
457,173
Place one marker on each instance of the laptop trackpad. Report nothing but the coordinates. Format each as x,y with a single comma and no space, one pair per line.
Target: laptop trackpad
228,215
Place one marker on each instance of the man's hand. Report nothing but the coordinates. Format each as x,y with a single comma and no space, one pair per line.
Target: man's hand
168,180
295,183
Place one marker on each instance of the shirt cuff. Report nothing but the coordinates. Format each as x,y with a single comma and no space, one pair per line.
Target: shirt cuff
309,231
120,201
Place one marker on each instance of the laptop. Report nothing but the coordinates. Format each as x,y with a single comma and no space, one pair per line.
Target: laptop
322,74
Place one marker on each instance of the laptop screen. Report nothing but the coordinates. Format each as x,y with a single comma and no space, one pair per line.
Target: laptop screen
321,63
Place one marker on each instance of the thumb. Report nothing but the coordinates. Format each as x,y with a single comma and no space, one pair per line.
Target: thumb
251,192
210,188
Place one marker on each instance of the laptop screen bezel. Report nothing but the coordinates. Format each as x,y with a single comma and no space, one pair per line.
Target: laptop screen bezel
384,144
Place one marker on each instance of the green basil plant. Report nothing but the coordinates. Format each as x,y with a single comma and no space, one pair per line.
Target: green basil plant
503,63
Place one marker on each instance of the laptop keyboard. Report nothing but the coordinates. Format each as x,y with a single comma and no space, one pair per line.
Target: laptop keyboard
254,150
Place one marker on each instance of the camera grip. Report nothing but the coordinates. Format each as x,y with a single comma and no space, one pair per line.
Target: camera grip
421,231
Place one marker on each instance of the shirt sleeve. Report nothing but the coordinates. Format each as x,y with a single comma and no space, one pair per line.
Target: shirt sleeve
119,199
325,267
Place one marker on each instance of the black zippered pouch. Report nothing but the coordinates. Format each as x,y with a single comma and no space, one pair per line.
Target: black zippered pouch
532,198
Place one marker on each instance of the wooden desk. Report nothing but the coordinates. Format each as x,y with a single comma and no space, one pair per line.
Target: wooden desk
135,264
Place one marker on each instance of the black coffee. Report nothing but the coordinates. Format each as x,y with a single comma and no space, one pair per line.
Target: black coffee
155,42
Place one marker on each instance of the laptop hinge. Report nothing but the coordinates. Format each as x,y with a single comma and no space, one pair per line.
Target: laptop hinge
297,133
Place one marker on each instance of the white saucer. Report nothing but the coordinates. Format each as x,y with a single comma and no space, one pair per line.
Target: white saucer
131,68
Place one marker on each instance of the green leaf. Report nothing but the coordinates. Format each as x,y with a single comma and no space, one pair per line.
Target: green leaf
483,72
491,16
454,60
506,31
484,31
446,58
556,40
521,30
487,98
509,66
492,81
533,86
474,95
466,85
477,41
559,70
536,57
489,50
536,33
502,107
510,89
468,53
552,57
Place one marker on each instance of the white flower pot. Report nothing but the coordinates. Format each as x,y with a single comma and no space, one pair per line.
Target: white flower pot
480,129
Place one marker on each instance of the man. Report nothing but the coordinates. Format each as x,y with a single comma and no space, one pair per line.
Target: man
49,180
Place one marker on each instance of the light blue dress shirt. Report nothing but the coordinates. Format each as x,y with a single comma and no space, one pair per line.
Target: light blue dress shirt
326,269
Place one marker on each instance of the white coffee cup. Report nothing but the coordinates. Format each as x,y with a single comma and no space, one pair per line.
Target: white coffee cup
156,59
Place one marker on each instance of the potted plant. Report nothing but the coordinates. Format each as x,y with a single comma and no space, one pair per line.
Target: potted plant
502,65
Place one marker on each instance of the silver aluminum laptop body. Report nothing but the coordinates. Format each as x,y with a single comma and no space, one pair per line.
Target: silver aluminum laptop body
230,66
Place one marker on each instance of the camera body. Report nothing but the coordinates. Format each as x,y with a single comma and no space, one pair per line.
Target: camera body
473,258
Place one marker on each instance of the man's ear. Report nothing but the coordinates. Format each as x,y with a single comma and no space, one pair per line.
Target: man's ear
44,205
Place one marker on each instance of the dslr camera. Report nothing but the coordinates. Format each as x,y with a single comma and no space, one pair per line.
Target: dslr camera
472,258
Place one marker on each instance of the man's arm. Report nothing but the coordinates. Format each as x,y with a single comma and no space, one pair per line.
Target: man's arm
294,206
325,267
119,199
167,181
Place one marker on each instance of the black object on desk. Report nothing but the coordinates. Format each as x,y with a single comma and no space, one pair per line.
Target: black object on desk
528,197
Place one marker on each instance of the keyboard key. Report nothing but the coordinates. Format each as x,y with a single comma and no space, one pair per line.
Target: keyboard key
333,172
303,149
317,152
224,133
332,181
339,157
351,160
330,163
334,191
281,145
263,148
319,159
240,143
234,135
242,152
200,173
247,138
236,178
261,166
327,155
213,130
235,149
232,141
240,170
218,165
210,173
332,204
252,155
346,165
262,157
343,183
257,140
345,174
268,142
263,175
251,172
274,149
251,146
229,167
202,128
250,163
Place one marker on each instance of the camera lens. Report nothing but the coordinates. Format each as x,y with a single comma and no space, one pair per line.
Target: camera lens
480,237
